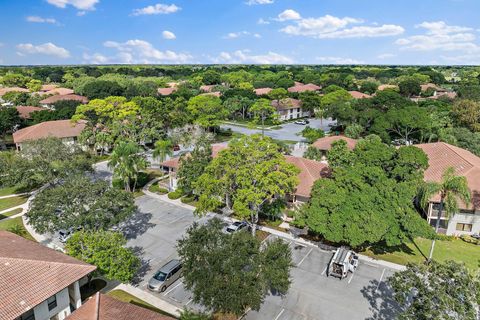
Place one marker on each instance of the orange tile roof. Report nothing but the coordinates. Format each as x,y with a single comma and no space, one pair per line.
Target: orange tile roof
12,89
48,87
304,87
262,91
25,111
104,307
359,95
287,103
174,163
206,88
31,273
59,97
325,143
166,91
310,171
57,128
442,155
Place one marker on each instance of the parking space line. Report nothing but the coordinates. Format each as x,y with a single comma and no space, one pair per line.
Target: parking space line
350,280
371,265
173,288
324,270
175,220
379,282
303,259
278,315
189,301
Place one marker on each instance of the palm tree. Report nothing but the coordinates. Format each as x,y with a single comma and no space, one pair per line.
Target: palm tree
162,150
451,189
127,162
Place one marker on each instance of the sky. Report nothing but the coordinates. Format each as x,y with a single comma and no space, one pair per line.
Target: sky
433,32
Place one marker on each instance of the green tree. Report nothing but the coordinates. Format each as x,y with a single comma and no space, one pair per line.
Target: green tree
9,119
241,270
249,174
467,113
354,131
127,162
339,156
34,85
369,87
436,291
410,87
313,153
101,89
193,165
311,101
207,110
162,150
263,110
238,104
451,189
106,250
14,80
401,122
278,94
312,134
80,202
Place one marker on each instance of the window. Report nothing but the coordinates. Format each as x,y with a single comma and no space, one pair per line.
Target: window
464,227
52,302
298,109
29,315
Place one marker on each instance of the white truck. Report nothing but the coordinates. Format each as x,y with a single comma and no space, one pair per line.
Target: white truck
343,261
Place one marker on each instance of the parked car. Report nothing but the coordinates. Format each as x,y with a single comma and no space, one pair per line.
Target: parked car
64,235
301,122
343,262
165,276
236,226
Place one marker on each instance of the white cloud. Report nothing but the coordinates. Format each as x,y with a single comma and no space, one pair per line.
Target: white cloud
168,35
257,35
338,60
79,4
159,8
263,21
40,19
330,27
256,2
46,48
289,14
244,57
384,56
137,51
440,36
235,35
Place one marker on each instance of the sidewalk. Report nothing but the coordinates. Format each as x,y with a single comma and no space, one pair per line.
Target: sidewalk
14,195
151,299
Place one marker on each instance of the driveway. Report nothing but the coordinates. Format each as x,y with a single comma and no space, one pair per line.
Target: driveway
289,131
153,233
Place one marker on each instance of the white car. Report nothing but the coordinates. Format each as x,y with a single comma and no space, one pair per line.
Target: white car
301,122
236,226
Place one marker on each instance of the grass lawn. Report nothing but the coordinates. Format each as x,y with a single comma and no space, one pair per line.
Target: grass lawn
12,190
157,189
138,193
127,297
7,224
10,213
417,251
12,202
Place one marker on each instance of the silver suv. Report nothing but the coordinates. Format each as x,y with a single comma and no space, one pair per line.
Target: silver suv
165,276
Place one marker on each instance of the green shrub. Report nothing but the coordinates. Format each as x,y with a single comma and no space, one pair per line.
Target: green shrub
470,239
188,199
174,195
444,237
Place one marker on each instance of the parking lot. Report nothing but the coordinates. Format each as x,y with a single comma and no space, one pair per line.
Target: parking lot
312,295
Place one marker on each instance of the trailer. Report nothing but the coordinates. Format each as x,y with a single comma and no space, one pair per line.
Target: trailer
342,262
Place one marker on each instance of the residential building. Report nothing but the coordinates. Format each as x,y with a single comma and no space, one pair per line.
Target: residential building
359,95
166,91
310,171
50,101
441,156
36,282
3,91
262,91
300,87
325,144
25,111
103,307
207,88
387,87
289,108
66,130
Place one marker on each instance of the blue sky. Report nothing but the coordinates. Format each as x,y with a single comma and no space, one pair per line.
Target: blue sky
240,31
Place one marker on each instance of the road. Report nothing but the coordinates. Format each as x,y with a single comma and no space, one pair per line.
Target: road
289,131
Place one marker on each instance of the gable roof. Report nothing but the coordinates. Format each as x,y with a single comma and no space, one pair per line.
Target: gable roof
166,91
285,104
359,95
442,155
48,87
30,273
174,163
59,97
299,87
262,91
325,143
310,171
25,111
103,307
12,89
57,128
58,91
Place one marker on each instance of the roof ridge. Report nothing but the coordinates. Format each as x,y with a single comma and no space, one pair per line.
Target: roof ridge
449,146
81,264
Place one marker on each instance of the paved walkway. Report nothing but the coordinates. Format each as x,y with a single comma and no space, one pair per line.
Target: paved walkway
14,195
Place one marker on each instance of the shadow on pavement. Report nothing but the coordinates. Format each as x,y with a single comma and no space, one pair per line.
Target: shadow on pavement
137,225
382,304
144,265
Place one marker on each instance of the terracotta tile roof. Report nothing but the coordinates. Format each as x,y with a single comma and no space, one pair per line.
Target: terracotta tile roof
325,143
310,171
448,94
57,128
387,86
58,91
48,87
287,103
12,89
442,155
59,97
262,91
174,163
304,87
207,88
167,91
25,111
359,95
104,307
215,94
424,87
31,273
